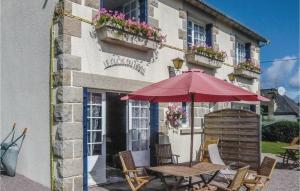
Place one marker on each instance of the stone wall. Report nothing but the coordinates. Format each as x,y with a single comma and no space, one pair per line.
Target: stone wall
68,114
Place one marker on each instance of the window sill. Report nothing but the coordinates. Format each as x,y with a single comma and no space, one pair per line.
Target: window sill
187,131
246,73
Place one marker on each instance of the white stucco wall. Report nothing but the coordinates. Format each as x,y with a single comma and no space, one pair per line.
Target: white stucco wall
25,48
95,54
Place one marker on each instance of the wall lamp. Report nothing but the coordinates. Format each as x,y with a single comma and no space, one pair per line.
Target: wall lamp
231,77
177,62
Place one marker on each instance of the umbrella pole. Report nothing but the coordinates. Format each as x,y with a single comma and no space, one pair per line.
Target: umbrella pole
192,137
192,130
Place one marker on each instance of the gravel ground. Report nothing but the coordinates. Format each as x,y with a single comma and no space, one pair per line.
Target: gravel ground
284,180
19,183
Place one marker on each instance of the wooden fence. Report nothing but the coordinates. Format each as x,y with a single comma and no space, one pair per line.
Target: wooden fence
239,134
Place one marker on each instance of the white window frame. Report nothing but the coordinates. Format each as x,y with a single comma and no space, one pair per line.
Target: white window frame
203,110
147,129
137,10
240,52
202,34
90,117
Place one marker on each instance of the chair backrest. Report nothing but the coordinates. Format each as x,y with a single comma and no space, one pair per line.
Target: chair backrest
203,155
266,167
214,154
238,179
295,141
127,160
163,151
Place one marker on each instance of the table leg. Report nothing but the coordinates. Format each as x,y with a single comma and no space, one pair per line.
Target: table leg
177,184
283,158
203,180
213,176
163,180
210,179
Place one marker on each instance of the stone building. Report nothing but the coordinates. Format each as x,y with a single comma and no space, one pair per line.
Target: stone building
93,66
281,107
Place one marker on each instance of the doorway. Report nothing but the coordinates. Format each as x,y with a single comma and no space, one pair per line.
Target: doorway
116,119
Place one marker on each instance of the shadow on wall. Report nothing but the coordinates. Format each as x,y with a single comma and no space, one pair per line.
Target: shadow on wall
206,69
45,4
149,56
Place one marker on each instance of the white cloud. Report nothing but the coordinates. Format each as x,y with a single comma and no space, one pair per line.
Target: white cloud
295,79
278,73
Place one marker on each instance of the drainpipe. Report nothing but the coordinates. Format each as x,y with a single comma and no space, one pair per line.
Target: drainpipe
51,105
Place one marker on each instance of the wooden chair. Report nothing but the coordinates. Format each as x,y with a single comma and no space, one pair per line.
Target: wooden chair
287,155
295,141
203,155
164,155
136,177
261,176
234,185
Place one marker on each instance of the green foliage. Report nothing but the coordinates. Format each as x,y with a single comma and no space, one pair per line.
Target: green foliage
282,131
273,147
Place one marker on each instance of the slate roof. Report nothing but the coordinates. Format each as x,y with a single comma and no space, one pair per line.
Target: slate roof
285,105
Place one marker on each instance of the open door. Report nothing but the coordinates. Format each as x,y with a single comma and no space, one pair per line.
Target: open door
139,132
96,137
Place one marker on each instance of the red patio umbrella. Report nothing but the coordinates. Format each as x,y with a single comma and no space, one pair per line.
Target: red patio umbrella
193,86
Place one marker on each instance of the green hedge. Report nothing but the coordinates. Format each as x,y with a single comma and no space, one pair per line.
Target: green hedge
282,131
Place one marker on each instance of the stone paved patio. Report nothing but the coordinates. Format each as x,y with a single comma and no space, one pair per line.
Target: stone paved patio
282,180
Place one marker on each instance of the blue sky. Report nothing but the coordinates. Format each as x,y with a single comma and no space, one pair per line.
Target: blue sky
278,21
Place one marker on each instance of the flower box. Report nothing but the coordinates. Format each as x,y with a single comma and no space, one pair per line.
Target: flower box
246,73
203,60
120,37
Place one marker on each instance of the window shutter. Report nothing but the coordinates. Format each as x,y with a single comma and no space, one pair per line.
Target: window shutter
208,32
143,10
248,51
85,144
154,124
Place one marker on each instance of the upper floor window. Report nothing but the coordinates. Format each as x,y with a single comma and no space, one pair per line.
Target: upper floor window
195,34
240,52
131,10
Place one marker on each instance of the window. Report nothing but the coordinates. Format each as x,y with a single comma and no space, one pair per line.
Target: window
240,52
240,106
200,111
186,108
94,119
195,34
131,10
140,124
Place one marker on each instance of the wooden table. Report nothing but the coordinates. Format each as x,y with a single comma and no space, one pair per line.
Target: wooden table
187,172
292,147
291,153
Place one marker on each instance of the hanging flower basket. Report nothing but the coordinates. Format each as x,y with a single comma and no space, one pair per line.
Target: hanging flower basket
174,116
